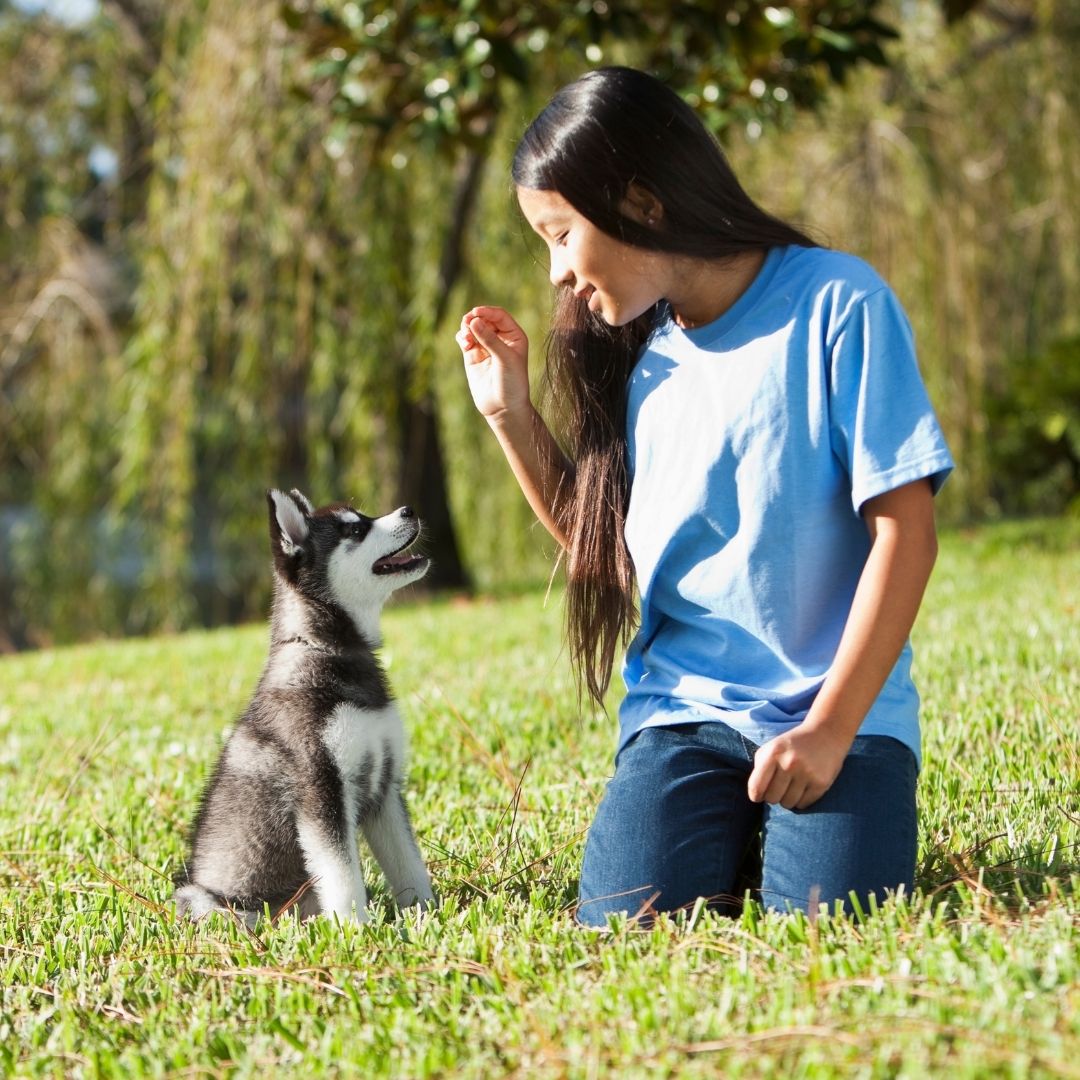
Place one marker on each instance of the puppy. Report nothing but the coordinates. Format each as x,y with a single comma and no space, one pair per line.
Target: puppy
320,751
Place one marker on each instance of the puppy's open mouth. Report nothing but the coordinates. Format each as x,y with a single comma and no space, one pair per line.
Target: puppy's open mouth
397,562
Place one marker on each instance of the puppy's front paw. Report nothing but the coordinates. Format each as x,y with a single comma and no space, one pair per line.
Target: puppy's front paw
422,897
358,916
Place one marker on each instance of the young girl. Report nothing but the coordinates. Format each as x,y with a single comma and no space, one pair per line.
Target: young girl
750,445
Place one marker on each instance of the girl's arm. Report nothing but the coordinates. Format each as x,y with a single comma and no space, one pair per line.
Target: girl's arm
537,463
495,350
797,768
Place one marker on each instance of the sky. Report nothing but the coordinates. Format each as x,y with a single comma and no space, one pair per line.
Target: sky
102,160
69,12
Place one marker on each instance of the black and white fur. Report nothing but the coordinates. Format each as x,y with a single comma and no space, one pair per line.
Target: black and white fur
320,751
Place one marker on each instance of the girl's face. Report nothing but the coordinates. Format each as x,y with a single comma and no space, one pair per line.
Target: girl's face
618,281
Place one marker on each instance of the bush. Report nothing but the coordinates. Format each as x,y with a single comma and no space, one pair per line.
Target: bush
1033,418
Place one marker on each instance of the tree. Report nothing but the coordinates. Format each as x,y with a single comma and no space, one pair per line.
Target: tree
435,74
300,197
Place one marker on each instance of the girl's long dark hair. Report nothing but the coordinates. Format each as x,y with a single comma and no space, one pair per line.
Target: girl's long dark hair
609,129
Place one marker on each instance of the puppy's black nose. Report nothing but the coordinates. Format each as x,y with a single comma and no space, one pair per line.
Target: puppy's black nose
407,512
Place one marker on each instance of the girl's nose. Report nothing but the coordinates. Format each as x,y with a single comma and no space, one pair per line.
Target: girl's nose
560,272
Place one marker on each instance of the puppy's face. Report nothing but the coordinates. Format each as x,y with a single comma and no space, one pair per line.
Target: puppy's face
337,554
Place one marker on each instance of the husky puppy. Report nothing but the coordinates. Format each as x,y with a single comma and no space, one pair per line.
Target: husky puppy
320,751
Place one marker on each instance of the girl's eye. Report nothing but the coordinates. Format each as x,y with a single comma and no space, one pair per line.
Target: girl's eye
561,238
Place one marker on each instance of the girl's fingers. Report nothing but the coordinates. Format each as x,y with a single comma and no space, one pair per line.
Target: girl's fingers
777,791
498,316
481,330
487,336
473,352
470,351
492,334
794,796
760,778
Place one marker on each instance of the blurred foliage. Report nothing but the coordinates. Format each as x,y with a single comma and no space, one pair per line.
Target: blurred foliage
418,85
249,365
1034,414
64,306
237,238
437,70
954,173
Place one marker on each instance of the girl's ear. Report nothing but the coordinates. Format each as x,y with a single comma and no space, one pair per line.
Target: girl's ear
641,205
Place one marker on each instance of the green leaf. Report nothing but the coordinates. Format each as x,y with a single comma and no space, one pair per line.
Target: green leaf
842,42
293,18
1055,425
509,61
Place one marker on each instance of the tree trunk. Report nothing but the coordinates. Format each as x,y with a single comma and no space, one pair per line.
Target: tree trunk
423,466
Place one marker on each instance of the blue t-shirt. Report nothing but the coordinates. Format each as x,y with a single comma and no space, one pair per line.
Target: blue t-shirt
753,443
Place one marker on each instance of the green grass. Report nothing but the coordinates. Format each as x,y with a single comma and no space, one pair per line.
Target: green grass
102,753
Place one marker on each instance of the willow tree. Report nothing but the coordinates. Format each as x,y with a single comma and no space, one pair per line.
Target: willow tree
306,232
954,172
303,198
64,93
268,315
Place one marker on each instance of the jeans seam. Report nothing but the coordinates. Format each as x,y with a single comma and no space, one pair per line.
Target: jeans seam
750,748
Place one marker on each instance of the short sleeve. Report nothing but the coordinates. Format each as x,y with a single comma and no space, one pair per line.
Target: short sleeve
882,425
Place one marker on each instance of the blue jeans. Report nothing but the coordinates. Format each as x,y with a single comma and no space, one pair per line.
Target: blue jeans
676,824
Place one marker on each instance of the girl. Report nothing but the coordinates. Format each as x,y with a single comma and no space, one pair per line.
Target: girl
751,445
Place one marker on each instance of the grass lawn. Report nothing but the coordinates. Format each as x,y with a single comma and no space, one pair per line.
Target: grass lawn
103,749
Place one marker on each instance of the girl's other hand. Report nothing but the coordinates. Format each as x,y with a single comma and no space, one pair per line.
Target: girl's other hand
795,769
496,354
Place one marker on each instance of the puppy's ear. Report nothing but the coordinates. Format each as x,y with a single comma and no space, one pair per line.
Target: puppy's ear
303,501
288,522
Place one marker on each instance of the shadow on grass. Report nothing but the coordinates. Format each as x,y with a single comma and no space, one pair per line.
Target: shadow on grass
1016,883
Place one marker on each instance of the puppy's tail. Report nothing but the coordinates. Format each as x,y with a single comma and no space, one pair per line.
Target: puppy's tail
196,902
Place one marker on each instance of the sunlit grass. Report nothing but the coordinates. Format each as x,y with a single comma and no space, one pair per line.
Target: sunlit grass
103,749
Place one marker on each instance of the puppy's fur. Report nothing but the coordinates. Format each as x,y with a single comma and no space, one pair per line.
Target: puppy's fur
320,751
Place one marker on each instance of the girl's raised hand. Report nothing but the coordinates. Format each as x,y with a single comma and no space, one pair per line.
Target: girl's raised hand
496,354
